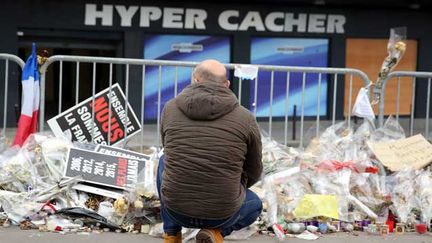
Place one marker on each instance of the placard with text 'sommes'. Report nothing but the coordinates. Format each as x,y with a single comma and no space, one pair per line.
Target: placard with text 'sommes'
87,118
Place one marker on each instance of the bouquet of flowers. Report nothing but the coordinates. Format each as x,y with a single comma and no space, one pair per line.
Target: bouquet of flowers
396,48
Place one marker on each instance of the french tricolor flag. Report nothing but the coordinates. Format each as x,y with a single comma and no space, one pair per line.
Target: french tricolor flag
27,123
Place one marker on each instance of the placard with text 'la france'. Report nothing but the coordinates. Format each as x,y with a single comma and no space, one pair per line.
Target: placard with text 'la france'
92,117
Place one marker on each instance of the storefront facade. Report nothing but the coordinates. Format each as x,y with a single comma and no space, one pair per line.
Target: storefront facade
118,29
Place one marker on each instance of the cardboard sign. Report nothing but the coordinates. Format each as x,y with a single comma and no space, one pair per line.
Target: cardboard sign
107,170
415,152
149,162
79,123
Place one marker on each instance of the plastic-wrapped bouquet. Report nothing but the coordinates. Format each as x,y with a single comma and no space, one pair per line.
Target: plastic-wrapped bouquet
396,48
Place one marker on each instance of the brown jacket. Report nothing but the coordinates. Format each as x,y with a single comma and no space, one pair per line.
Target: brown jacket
212,151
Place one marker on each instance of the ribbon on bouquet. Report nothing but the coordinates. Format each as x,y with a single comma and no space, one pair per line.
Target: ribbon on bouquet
335,165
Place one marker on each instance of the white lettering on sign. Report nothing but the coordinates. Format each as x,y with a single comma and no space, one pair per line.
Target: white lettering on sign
106,14
224,19
252,20
195,19
149,14
270,21
317,23
335,24
126,14
70,119
299,22
229,20
172,18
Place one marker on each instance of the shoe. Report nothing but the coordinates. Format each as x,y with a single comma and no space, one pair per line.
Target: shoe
172,238
209,236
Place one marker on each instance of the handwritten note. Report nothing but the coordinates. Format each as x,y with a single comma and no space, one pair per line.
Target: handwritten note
362,106
415,152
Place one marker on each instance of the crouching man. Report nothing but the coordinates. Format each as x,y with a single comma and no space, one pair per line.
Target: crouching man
212,149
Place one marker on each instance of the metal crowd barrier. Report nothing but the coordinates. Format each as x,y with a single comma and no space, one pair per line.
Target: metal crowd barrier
335,74
416,78
13,59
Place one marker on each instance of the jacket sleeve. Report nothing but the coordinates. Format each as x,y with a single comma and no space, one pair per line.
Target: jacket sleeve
253,164
161,126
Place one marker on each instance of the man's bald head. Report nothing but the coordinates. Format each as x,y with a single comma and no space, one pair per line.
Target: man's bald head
210,71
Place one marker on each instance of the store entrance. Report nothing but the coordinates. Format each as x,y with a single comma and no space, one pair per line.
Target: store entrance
68,92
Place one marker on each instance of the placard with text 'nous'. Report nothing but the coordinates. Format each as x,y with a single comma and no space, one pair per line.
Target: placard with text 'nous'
93,117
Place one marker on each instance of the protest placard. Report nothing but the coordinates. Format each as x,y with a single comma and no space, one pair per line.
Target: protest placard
86,118
103,169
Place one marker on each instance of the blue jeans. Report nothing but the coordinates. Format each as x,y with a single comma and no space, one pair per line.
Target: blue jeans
173,222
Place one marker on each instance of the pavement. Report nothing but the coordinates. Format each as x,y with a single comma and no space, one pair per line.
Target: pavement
15,235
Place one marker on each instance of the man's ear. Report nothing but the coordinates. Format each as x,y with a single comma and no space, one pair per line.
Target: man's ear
227,83
194,79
